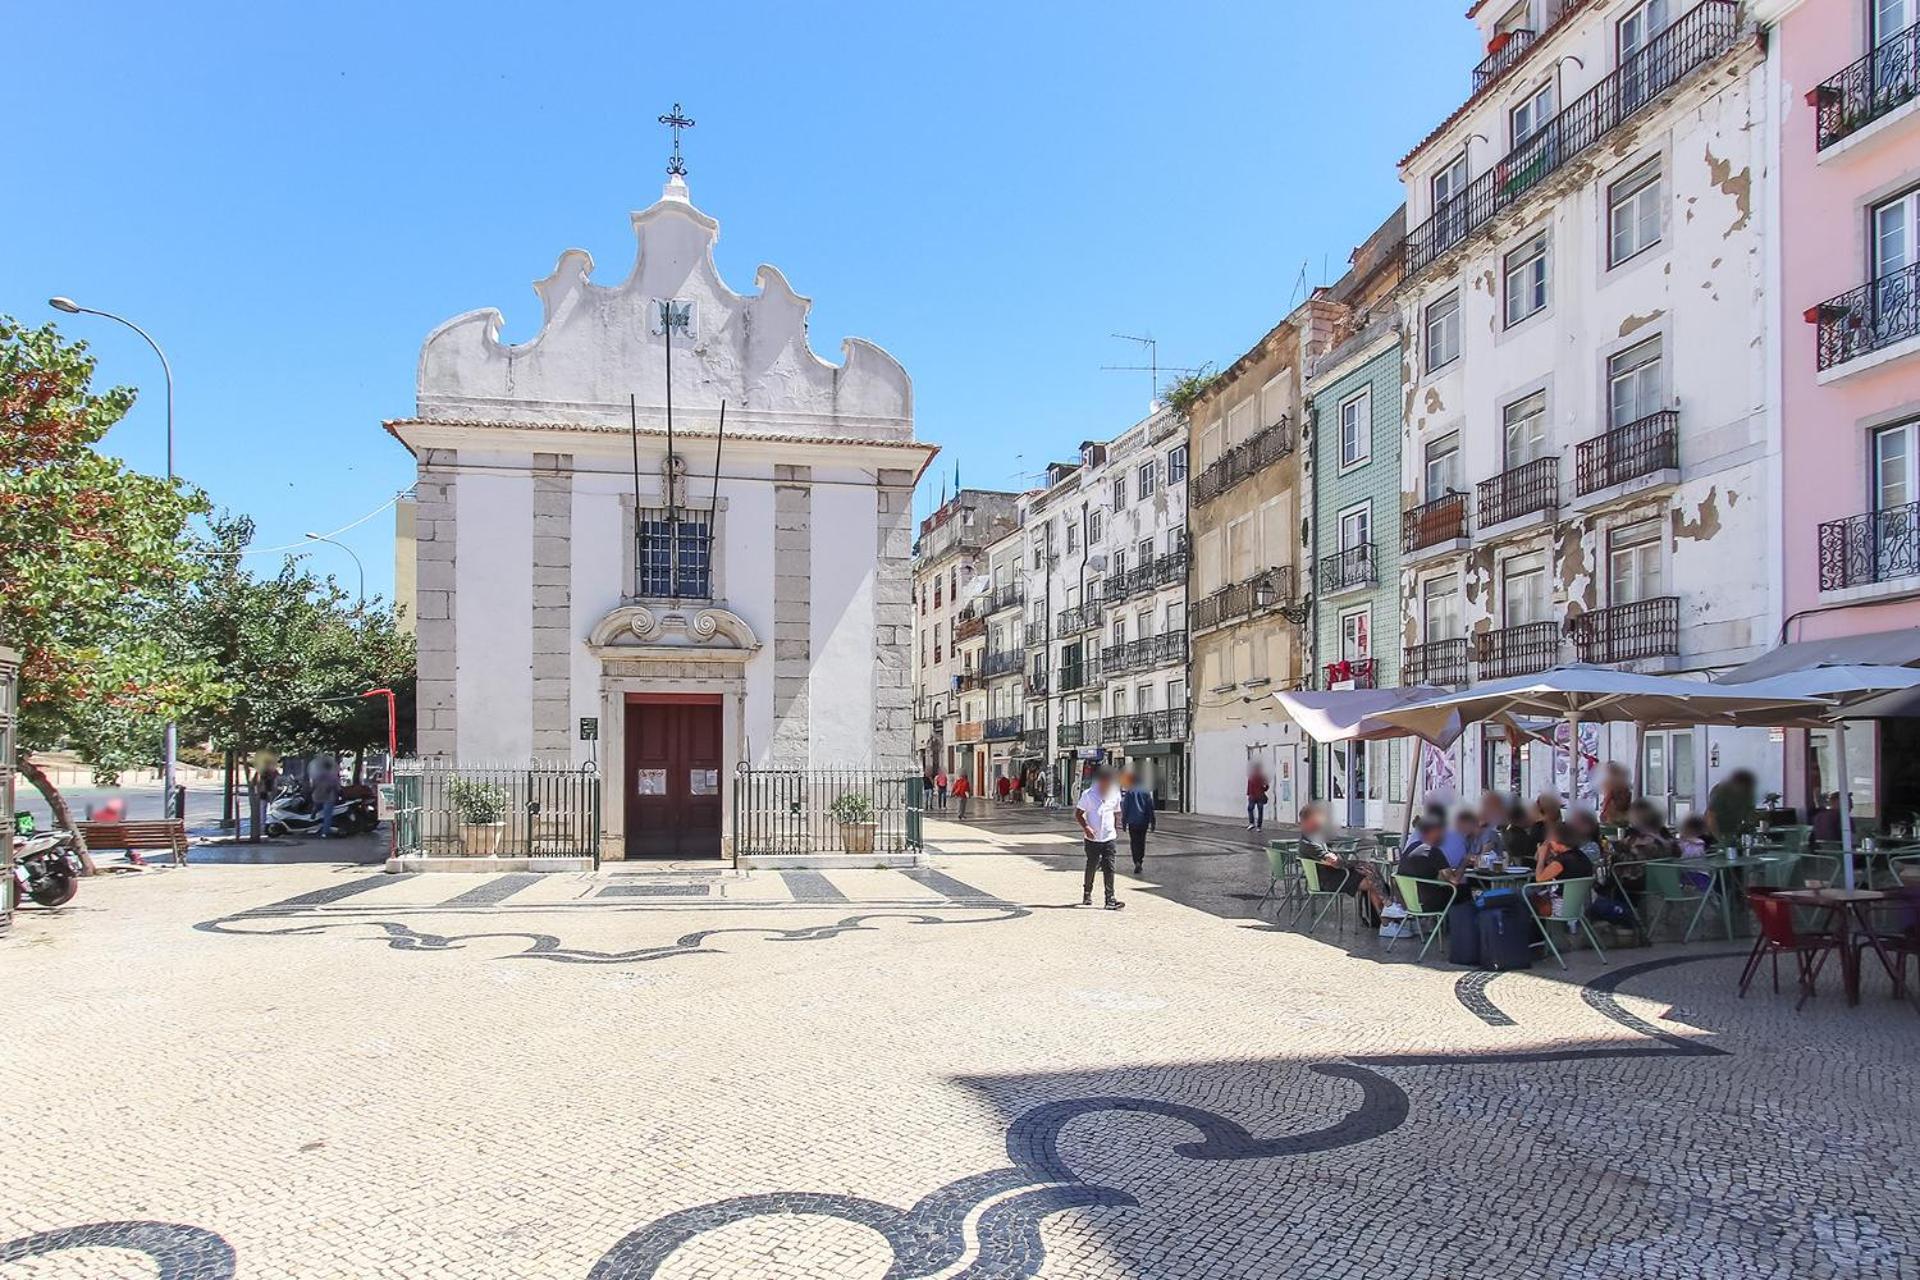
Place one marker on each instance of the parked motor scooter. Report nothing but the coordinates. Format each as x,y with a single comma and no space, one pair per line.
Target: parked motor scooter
46,864
292,812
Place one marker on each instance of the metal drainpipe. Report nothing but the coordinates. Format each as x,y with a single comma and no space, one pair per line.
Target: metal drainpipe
1312,566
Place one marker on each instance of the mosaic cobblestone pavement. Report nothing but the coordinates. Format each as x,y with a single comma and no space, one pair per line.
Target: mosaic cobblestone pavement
315,1071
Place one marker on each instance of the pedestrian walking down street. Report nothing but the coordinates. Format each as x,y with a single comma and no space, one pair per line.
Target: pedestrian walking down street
961,790
1257,789
1097,813
940,790
1136,814
324,785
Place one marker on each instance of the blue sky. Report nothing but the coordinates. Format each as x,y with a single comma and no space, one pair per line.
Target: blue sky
290,197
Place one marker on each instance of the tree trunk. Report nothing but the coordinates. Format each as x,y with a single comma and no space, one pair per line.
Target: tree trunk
62,815
229,819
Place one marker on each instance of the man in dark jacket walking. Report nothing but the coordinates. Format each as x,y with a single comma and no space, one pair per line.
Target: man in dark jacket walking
1136,814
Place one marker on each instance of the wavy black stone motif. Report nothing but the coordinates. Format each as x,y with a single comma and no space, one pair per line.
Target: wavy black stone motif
931,1236
545,946
179,1251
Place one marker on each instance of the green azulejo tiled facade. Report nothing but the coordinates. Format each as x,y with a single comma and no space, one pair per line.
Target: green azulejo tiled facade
1356,394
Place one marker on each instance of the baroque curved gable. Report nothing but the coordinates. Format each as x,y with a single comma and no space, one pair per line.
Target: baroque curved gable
639,629
600,343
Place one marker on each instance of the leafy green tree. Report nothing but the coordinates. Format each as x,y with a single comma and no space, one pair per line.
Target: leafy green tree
89,553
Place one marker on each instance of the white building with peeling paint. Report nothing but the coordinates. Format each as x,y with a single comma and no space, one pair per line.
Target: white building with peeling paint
1589,473
703,599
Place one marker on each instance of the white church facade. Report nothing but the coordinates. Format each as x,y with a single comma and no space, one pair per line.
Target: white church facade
660,594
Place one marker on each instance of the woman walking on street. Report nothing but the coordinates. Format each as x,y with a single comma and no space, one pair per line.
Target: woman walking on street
1257,790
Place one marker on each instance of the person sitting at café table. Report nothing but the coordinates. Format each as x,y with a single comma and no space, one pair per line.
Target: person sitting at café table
1425,860
1466,841
1695,842
1342,875
1493,815
1432,813
1545,817
1826,820
1646,840
1616,796
1517,837
1562,856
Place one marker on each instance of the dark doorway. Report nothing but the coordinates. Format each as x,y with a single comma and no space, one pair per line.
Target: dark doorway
673,776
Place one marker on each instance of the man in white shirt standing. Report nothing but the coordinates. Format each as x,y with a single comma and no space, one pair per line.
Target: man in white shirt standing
1098,811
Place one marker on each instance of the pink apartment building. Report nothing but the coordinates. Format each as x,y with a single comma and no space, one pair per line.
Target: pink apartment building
1848,84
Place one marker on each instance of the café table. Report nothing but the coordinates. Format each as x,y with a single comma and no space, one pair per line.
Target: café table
1721,879
1494,877
1848,909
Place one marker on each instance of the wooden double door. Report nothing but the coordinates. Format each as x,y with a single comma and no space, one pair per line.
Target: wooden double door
673,775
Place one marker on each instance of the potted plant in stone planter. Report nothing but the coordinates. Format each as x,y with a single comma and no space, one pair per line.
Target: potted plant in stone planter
482,810
854,813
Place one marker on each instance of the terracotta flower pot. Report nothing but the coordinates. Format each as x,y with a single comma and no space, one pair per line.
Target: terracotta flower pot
857,836
481,839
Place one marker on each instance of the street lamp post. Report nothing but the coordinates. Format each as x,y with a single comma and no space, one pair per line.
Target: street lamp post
73,308
358,567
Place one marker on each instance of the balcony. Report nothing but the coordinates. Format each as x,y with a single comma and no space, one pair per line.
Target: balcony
969,730
1263,591
1506,48
1871,318
1689,43
1036,635
1010,596
1074,735
1349,568
1037,683
1437,524
1528,489
1628,632
1071,678
1648,447
1441,662
1003,729
1518,650
1003,662
1144,654
1350,673
968,626
1876,86
971,680
1875,546
1034,740
1072,622
1168,647
1251,456
1169,725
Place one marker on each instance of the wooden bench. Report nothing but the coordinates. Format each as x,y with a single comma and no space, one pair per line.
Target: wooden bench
156,833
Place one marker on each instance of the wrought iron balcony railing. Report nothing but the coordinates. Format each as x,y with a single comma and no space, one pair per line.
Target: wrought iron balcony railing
1254,454
1628,632
1520,491
973,678
1358,672
1876,85
1036,634
1875,546
1169,647
1144,654
1435,662
1868,319
1640,448
1003,729
1507,49
1071,678
1266,590
1034,739
1073,735
1072,622
1355,566
1037,683
1003,662
1010,596
1432,523
1690,42
1169,725
1518,650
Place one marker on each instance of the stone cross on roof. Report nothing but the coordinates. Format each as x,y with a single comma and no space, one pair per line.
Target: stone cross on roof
676,167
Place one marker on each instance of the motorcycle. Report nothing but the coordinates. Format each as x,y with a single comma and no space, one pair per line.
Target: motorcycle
46,867
291,812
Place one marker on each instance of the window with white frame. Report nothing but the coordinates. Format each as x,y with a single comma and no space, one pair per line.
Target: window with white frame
1633,33
1143,624
1119,492
1356,526
1449,182
1356,633
1524,429
1093,525
1896,228
1890,18
1896,466
1177,692
1119,563
1176,616
1526,279
1073,531
1119,700
1119,630
1532,114
1634,383
1633,213
1143,698
1149,477
1441,328
1635,562
1356,429
1443,467
1524,596
1440,608
1177,464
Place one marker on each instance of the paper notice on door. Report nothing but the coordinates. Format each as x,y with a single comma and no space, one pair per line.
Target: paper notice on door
651,782
704,782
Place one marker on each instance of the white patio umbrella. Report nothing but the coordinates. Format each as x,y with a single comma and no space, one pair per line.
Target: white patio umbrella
1578,692
1843,687
1353,715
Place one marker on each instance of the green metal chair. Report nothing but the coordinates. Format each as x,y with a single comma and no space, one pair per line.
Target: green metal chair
1285,882
1666,885
1409,887
1778,874
1311,871
1572,902
1792,839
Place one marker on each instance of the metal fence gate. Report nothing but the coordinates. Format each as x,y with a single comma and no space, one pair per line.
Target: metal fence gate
534,811
853,812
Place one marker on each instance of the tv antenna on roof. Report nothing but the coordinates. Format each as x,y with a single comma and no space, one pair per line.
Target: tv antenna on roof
1152,367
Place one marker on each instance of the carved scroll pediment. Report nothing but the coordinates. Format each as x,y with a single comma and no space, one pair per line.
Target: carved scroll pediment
695,630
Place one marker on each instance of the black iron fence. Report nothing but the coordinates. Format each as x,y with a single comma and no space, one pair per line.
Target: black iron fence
1694,39
1507,48
1354,566
1866,319
1435,662
1875,546
1006,597
1168,725
1520,491
852,812
1432,523
1254,454
1074,735
445,809
1626,453
1003,662
1518,650
1627,632
1003,728
1886,79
